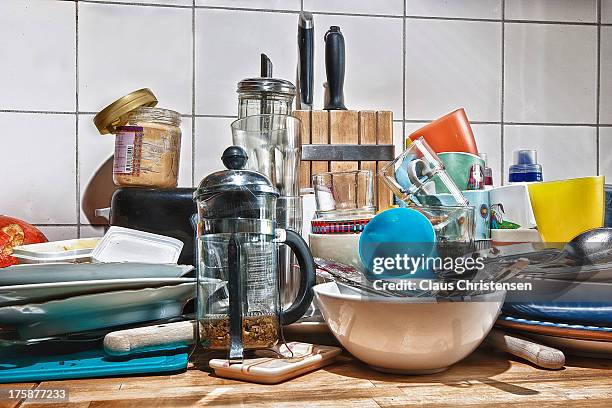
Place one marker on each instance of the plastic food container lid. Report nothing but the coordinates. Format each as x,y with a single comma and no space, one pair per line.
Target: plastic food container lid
128,245
57,250
114,115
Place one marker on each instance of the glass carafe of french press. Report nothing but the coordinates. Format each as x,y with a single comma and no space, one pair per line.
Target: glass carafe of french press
238,243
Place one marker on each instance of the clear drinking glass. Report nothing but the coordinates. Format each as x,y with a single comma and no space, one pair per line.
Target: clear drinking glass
414,177
273,145
344,193
454,227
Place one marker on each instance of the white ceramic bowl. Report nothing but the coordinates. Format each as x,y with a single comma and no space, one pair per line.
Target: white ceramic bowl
403,335
343,248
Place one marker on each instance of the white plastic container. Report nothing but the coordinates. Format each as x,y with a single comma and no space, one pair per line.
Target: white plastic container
128,245
71,250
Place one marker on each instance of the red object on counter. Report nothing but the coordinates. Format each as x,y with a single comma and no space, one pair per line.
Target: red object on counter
15,232
450,133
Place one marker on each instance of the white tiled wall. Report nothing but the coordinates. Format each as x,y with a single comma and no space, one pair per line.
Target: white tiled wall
530,74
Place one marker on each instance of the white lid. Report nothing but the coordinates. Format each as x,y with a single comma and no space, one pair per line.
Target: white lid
128,245
67,249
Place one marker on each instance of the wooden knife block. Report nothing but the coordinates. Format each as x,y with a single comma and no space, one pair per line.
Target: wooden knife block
347,127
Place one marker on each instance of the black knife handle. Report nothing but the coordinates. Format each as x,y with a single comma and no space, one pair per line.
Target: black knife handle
306,49
334,68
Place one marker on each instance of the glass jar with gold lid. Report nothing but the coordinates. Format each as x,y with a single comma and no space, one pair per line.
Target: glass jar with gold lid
147,140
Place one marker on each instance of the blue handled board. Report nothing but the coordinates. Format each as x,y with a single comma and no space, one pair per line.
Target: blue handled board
18,366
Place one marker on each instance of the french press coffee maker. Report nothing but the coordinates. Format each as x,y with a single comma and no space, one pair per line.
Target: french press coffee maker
238,244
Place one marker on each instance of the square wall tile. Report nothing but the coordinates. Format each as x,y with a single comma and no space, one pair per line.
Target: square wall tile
59,233
123,48
453,64
228,48
490,9
380,7
34,35
96,153
563,151
550,73
39,158
606,11
605,91
92,231
212,137
373,78
552,10
253,4
605,158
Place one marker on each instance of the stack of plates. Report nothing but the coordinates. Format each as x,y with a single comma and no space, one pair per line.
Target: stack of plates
572,315
40,301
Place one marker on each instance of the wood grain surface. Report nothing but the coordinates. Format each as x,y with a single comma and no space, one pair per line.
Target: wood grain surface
486,378
347,127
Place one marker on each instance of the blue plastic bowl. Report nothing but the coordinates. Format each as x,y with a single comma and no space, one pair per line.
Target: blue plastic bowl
397,231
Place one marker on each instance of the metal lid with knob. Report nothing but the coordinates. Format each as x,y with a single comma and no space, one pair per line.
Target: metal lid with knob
235,178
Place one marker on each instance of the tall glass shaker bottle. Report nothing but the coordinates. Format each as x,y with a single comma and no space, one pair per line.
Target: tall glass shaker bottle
237,244
258,96
273,145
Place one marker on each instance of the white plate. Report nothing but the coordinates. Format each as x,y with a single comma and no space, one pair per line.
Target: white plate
69,272
587,348
97,311
39,292
121,244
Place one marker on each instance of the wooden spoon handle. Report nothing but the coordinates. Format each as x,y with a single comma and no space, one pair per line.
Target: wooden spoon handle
129,341
542,356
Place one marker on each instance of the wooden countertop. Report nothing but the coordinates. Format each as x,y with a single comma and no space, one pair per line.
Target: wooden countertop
486,378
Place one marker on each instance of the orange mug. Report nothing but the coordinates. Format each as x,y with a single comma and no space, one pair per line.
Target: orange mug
450,133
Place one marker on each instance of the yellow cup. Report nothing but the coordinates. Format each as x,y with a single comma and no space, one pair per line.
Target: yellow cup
566,208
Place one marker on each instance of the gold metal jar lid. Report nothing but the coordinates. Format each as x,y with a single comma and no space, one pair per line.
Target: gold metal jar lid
115,114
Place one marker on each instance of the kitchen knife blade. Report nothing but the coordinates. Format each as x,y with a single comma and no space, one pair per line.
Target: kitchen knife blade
306,60
334,68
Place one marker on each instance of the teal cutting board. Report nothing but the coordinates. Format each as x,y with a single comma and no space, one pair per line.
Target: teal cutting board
21,367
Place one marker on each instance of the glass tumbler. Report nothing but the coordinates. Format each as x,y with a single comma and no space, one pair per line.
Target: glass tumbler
344,193
414,175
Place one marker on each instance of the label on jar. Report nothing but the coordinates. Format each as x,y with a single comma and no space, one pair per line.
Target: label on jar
128,150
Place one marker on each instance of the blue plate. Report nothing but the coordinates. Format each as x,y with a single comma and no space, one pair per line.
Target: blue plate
531,322
597,313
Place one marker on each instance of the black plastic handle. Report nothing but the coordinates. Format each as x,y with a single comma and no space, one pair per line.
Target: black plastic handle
334,68
265,66
307,279
306,50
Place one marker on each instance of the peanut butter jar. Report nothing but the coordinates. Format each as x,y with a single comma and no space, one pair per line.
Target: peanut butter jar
147,140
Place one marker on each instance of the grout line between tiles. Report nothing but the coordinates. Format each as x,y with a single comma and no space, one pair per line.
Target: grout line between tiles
260,10
41,112
216,116
427,120
403,80
502,96
130,3
55,225
598,90
193,91
334,13
76,115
